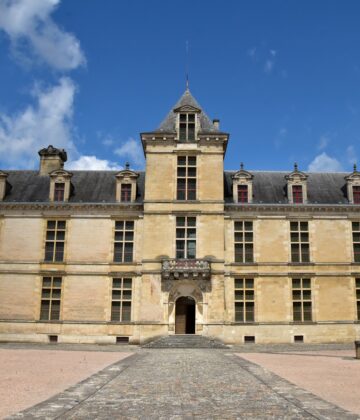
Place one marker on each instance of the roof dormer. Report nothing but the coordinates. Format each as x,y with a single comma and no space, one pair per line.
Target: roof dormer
60,185
126,185
4,185
353,186
296,186
242,186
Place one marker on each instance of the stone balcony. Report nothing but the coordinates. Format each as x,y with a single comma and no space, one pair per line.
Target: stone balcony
182,269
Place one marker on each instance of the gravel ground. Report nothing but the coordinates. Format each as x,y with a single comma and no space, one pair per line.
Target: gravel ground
31,376
333,375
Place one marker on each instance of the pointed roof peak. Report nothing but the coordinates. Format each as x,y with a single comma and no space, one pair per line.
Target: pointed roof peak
188,101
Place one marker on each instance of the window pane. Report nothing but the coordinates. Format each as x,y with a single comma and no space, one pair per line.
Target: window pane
239,295
191,131
239,283
297,311
55,310
127,283
303,226
116,283
44,311
51,224
191,233
49,251
191,221
296,294
119,225
238,236
191,160
249,294
296,283
46,293
191,117
182,160
61,224
129,225
115,311
57,282
249,283
248,226
46,281
126,294
238,225
126,311
306,283
116,294
294,226
294,237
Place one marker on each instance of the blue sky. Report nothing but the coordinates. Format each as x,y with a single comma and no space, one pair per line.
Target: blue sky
283,77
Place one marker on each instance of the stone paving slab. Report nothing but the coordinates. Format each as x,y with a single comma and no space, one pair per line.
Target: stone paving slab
185,384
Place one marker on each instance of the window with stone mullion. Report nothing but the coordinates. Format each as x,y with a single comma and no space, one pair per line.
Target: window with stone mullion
50,299
187,127
186,237
244,242
124,241
186,178
302,300
244,298
299,238
55,240
356,241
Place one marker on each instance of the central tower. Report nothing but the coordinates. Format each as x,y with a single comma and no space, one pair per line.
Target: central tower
183,243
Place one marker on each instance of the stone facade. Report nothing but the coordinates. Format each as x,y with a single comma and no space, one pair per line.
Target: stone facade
104,257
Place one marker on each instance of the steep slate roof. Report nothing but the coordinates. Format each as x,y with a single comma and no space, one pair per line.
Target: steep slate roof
270,187
89,187
168,124
99,187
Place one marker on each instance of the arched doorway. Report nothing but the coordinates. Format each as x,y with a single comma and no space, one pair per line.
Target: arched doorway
185,315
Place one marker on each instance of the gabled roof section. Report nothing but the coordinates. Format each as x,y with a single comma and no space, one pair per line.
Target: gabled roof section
187,103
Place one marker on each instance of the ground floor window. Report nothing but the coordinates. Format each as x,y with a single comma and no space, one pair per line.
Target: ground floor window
244,297
50,298
302,302
121,299
357,285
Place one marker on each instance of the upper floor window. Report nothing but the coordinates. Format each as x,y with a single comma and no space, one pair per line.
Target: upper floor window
242,193
59,191
126,192
124,241
299,238
357,286
187,127
356,194
186,237
297,193
244,242
356,240
55,240
186,178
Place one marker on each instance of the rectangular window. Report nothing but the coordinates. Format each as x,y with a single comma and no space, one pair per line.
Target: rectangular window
244,300
59,191
50,299
187,127
55,240
357,286
125,192
299,238
244,242
356,194
186,237
301,297
186,178
356,240
297,194
242,194
124,241
121,299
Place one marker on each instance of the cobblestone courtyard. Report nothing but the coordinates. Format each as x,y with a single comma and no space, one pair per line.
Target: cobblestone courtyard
185,383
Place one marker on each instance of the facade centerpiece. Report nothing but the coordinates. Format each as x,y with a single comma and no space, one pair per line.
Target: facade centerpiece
183,247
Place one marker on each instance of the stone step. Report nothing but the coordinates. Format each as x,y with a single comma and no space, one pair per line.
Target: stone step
184,341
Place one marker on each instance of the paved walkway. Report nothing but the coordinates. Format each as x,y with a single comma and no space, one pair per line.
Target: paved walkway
185,384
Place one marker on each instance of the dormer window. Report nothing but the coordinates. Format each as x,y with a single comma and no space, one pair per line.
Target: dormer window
242,186
297,194
126,185
243,195
187,127
4,185
296,186
356,194
353,187
126,192
60,185
59,191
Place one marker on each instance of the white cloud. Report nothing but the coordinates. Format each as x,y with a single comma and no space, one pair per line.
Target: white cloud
325,163
32,31
323,143
92,163
49,121
132,151
273,53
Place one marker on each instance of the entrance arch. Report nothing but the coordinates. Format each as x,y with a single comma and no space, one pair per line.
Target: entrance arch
185,315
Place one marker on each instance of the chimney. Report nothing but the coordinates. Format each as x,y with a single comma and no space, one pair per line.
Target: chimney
216,123
51,159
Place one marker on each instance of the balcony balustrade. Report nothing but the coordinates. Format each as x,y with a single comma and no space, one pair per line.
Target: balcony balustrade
183,268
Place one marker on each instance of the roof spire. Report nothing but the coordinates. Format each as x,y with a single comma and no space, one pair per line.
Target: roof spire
295,167
127,166
355,168
187,65
241,166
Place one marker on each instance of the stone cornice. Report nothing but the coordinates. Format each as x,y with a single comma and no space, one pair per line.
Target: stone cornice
70,207
292,208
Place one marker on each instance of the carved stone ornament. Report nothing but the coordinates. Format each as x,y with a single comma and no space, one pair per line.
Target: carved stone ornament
183,269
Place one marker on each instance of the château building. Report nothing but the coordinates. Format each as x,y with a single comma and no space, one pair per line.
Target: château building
182,248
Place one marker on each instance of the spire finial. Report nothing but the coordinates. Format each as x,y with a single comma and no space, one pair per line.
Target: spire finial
127,166
295,167
241,166
355,168
187,65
